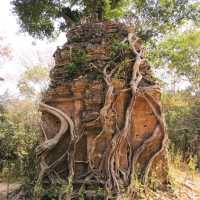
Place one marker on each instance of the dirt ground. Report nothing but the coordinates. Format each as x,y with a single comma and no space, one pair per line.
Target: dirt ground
185,186
4,188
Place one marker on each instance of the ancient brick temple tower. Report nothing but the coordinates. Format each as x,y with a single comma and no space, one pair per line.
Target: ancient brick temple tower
101,116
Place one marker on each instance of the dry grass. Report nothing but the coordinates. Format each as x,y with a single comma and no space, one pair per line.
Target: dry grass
185,186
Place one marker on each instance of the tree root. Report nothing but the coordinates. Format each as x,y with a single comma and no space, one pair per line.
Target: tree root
109,158
49,144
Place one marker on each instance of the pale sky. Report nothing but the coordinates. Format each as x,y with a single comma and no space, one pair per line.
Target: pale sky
24,52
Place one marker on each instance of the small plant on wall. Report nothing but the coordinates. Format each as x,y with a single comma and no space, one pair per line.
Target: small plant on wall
78,59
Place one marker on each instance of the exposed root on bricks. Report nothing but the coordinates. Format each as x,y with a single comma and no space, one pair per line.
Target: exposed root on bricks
156,108
116,143
110,158
42,150
121,138
108,120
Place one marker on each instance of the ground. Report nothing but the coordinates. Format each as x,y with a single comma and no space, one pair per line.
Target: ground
185,186
4,187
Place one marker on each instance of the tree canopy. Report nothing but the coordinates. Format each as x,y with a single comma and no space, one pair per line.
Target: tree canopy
45,18
180,52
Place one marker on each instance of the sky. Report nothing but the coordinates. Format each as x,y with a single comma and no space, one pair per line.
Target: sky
24,48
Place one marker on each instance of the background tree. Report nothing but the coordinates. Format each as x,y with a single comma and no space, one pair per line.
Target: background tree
180,52
19,124
178,55
182,112
19,131
46,18
33,81
159,17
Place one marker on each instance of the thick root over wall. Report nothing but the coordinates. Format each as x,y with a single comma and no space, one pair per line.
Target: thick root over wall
115,162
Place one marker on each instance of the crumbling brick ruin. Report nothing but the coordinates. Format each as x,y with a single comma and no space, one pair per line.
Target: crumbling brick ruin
101,116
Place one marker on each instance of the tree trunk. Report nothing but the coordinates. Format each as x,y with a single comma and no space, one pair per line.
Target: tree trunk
102,121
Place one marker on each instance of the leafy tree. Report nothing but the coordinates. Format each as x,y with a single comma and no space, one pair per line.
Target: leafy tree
182,112
44,18
156,17
7,143
19,135
180,52
19,130
33,81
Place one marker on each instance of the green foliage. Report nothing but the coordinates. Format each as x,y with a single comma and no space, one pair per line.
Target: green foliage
176,157
57,190
81,196
72,68
177,162
7,130
123,70
161,16
179,52
78,59
118,47
192,165
19,132
38,17
182,112
69,186
115,9
119,51
100,193
51,193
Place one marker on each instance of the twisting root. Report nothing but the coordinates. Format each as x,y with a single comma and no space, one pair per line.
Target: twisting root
160,118
123,138
109,159
113,150
143,147
49,144
106,113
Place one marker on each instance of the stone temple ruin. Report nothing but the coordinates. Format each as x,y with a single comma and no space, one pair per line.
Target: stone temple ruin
102,119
